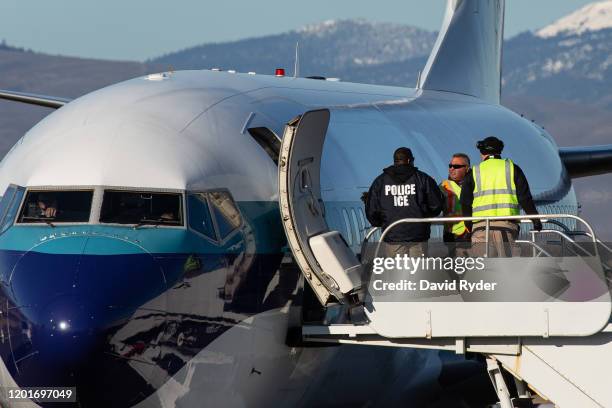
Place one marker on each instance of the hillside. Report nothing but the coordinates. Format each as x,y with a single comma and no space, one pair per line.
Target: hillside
328,48
43,74
560,76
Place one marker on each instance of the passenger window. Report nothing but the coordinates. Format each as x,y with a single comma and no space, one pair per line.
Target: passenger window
363,220
226,212
357,226
56,206
13,208
141,208
347,227
199,215
334,220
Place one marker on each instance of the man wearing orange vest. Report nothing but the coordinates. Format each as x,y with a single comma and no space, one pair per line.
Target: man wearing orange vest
451,190
496,187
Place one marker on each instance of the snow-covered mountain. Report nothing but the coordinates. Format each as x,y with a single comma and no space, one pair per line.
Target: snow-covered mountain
592,17
572,67
570,59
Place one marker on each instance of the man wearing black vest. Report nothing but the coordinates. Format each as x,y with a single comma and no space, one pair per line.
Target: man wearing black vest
403,191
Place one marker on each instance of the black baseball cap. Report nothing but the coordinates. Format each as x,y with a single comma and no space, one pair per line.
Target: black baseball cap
403,152
490,145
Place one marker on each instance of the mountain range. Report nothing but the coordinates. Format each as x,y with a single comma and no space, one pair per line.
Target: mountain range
330,48
569,60
560,75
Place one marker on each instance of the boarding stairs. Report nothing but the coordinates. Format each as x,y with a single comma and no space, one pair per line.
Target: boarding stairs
557,344
547,323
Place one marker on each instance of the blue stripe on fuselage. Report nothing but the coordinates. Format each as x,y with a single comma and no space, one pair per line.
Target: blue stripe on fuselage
259,218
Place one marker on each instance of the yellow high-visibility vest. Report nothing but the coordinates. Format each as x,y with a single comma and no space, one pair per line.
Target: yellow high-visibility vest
494,189
452,193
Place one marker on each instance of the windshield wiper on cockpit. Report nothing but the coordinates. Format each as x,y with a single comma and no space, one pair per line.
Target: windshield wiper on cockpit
156,223
46,220
145,222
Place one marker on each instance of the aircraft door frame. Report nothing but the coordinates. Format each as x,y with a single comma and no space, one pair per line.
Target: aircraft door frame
301,205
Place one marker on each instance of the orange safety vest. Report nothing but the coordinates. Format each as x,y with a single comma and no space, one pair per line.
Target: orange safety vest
452,192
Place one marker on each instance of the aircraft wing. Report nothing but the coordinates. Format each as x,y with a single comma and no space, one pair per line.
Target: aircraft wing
33,99
587,160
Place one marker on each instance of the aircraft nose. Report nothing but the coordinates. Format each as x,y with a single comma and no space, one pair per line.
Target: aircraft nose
69,298
53,340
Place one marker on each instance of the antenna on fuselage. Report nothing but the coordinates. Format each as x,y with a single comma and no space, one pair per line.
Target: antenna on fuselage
296,66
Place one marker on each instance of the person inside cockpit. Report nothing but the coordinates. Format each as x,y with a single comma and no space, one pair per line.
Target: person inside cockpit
169,211
140,208
43,205
167,216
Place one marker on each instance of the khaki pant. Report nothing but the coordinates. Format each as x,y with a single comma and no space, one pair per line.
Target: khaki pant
502,235
412,249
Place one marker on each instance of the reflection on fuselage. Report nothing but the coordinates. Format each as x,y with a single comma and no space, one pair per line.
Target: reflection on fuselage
129,304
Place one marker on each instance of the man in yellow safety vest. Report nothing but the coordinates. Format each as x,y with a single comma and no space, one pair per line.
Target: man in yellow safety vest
451,191
496,187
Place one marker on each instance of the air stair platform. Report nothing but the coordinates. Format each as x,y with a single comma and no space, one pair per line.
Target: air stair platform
541,311
554,337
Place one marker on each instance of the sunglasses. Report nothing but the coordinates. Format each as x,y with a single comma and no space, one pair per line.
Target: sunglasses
456,166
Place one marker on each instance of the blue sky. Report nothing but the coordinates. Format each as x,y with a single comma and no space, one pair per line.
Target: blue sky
139,29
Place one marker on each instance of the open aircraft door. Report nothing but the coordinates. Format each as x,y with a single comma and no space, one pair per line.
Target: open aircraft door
325,259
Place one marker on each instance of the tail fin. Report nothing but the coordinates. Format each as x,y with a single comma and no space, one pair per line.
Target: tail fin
466,58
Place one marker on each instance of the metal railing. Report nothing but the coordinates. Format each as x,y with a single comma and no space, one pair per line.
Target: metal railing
564,236
571,233
366,238
584,233
524,219
534,247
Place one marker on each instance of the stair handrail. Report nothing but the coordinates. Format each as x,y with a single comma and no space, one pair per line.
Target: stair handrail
487,219
607,248
535,246
365,240
565,236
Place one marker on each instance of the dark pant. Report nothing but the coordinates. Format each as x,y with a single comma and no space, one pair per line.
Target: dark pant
458,246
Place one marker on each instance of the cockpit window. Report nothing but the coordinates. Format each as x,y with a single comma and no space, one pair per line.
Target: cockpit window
56,206
6,200
141,208
9,206
225,211
199,216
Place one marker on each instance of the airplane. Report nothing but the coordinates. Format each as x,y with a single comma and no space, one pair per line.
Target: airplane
143,256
